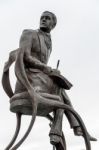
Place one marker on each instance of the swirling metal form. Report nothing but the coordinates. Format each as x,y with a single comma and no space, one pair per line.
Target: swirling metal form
18,116
62,106
27,132
22,77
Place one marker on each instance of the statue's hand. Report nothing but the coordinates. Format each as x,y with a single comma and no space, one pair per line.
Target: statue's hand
56,71
47,70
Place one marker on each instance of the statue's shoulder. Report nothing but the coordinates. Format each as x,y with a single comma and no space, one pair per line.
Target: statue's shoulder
27,36
29,32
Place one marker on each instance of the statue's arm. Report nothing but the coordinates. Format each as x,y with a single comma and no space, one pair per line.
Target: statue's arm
35,63
26,42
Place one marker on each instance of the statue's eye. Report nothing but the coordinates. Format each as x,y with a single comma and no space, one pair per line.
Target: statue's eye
42,17
48,18
45,17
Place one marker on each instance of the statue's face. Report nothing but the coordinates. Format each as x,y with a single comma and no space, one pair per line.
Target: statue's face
46,22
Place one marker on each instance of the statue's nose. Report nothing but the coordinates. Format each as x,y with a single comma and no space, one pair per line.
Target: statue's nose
44,19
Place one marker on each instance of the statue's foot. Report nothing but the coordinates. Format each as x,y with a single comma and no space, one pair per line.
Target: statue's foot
91,138
78,132
54,139
57,141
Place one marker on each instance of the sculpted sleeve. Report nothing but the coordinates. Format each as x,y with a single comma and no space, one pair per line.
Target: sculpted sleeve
26,39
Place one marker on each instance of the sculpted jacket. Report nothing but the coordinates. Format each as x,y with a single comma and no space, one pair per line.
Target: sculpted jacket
39,46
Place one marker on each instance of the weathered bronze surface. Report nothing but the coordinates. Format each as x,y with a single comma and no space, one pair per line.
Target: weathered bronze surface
40,89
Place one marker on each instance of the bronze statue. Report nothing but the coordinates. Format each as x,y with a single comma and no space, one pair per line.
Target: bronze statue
40,89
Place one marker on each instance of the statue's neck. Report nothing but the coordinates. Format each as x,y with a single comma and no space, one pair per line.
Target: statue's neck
44,33
47,39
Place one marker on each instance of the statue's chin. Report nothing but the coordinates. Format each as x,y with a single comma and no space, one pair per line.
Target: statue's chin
45,29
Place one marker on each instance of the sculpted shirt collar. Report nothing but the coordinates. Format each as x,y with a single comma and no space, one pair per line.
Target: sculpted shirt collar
47,38
44,33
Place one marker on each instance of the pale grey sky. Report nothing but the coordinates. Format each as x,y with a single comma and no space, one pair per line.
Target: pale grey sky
75,43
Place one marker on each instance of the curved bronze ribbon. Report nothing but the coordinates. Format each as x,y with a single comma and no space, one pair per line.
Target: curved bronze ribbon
22,77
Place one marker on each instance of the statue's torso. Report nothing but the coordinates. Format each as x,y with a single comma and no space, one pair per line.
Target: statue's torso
38,42
40,49
40,81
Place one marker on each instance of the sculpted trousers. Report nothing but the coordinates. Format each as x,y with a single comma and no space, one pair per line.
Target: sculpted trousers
56,127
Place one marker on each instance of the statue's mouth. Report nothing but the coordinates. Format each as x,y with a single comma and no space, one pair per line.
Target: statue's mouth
43,24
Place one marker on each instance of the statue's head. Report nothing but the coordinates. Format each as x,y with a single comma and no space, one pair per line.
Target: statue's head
48,21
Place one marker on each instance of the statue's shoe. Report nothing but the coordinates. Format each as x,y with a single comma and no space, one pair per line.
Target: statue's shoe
57,141
78,132
91,138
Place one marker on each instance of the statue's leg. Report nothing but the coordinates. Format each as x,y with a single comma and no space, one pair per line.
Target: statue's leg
56,135
60,105
71,118
62,142
56,127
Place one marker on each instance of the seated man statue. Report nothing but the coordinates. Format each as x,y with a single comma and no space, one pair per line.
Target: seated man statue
39,47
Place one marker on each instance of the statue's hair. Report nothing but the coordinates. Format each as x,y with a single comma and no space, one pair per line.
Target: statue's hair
53,17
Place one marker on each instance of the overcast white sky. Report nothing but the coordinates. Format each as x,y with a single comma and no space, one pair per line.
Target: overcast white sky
76,44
